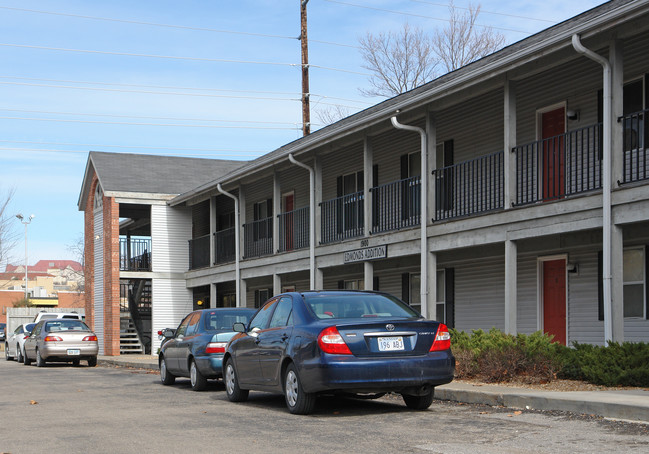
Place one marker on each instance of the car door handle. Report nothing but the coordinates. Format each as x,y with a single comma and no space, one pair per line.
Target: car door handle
257,340
284,337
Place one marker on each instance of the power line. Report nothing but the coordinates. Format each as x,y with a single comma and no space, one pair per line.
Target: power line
63,120
175,57
90,145
422,16
486,12
183,88
180,27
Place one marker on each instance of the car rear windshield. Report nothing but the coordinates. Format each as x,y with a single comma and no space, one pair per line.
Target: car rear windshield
223,320
357,305
65,325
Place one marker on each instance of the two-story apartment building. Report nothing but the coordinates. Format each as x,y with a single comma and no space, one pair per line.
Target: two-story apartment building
511,193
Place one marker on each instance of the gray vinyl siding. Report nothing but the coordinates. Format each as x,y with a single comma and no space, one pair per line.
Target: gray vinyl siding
388,147
341,162
171,302
527,294
260,191
201,219
476,126
480,295
583,323
295,179
98,293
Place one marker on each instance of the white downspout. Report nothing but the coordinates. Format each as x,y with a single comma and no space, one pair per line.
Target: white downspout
311,218
237,267
424,210
606,190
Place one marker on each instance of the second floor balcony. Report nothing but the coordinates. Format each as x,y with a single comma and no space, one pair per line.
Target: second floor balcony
134,254
258,238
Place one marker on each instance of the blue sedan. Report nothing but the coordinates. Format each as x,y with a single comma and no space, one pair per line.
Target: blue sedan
323,342
195,349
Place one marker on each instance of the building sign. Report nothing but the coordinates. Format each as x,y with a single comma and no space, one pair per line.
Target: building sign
367,253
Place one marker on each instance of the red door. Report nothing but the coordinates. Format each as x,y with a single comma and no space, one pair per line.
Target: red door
553,125
288,225
554,299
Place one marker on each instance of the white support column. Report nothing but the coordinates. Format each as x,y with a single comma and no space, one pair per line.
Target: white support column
509,158
428,307
212,230
319,279
367,183
242,221
317,170
213,295
277,284
369,275
510,286
277,198
431,132
616,56
617,283
243,290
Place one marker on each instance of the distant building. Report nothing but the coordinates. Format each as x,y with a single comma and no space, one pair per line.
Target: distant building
66,275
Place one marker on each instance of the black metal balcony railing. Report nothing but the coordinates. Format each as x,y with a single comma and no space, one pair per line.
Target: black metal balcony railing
559,166
199,252
636,142
258,238
294,230
396,205
469,187
135,254
225,247
342,218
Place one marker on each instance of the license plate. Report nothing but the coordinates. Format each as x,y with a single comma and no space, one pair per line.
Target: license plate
389,344
73,352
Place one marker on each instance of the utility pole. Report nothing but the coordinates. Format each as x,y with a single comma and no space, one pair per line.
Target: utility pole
306,111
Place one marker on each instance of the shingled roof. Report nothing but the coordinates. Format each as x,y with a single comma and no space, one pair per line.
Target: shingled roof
150,174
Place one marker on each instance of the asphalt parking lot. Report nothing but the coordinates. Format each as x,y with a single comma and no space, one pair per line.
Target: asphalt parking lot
68,409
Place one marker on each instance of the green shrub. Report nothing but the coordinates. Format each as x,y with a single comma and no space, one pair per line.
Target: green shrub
625,364
497,357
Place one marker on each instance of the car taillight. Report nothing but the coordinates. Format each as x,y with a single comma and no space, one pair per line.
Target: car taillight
442,339
330,341
92,338
160,333
216,347
52,339
26,336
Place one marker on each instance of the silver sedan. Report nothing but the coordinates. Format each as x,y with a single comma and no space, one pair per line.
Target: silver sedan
16,340
61,340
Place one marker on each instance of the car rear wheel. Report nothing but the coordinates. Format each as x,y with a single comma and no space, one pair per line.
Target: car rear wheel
19,355
166,377
40,362
92,362
297,401
232,390
419,402
75,362
7,355
199,382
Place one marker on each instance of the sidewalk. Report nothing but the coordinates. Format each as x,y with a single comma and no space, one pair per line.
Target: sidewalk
632,405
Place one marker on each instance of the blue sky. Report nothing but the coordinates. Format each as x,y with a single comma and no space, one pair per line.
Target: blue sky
231,95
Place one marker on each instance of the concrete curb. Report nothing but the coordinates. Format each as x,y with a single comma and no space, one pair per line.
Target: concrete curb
614,405
150,365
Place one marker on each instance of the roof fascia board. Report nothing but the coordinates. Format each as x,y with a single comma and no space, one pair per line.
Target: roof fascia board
463,79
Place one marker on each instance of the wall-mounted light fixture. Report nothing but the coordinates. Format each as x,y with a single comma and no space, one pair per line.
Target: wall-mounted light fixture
572,268
572,114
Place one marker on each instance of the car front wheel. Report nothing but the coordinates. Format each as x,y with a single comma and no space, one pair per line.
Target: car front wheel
297,401
40,362
7,355
419,402
166,377
232,390
19,355
26,360
199,382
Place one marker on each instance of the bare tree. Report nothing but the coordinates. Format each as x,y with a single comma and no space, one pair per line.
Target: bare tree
398,61
462,41
332,114
401,61
78,249
8,235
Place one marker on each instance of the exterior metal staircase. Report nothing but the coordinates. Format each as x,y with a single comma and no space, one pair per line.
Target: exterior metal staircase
129,340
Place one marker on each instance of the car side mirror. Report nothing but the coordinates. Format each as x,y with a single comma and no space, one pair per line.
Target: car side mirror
168,333
239,327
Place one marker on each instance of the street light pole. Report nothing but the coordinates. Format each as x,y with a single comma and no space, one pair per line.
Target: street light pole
25,223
